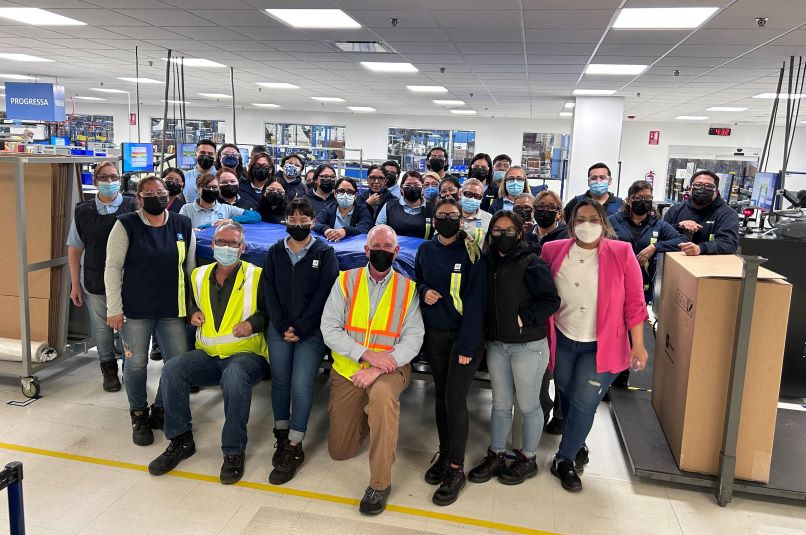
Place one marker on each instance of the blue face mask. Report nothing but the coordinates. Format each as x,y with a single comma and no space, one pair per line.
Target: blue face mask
431,192
109,189
345,200
290,170
230,160
470,205
599,188
498,176
226,256
514,187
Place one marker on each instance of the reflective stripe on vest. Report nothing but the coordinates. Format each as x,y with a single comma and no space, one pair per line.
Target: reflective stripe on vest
456,284
380,332
427,229
180,247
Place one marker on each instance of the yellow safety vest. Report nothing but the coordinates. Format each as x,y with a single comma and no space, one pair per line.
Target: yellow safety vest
242,304
381,332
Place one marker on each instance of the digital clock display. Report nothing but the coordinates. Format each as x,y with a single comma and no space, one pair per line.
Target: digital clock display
718,131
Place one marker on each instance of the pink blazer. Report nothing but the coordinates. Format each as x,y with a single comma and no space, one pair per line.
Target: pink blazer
620,304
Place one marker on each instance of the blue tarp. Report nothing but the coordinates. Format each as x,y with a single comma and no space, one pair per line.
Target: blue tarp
349,251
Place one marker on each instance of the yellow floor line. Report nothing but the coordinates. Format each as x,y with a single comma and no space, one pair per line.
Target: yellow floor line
279,490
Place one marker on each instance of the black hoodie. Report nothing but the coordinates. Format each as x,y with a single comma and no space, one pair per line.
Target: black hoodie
720,225
559,233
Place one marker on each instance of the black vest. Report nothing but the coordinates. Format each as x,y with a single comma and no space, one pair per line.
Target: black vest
93,229
154,280
405,224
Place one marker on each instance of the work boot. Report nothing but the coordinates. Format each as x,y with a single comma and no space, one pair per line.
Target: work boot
157,418
232,469
141,431
178,450
436,473
452,485
518,471
374,501
290,459
490,467
582,458
281,440
563,469
109,371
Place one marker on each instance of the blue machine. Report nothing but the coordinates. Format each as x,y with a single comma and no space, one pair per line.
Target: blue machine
137,157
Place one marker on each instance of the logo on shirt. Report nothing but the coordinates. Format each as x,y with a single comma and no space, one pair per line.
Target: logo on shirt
315,264
179,237
457,268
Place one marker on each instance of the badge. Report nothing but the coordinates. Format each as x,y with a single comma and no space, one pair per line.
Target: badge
179,237
457,267
315,264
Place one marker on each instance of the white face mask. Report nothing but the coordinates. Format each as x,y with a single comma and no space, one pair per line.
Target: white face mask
588,232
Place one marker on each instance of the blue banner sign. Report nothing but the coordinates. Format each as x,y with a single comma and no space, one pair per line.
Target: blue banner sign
34,102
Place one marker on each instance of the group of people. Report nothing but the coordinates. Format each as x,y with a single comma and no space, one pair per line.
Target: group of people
536,289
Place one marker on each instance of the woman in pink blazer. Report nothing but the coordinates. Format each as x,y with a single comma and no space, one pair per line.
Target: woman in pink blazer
601,289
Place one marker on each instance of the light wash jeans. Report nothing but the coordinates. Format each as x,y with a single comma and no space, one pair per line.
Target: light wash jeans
102,334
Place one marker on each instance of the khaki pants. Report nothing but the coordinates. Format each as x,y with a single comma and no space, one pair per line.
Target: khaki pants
375,411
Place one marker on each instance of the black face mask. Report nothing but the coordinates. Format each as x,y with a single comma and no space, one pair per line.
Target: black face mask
524,211
702,197
261,172
480,174
155,205
641,207
504,243
174,188
229,191
454,196
327,185
273,198
545,218
381,260
205,162
413,194
436,164
447,228
298,232
391,179
209,195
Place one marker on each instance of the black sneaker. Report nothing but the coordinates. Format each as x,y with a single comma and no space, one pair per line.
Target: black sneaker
281,440
436,473
563,469
490,467
374,501
178,450
556,426
109,371
622,380
290,459
582,458
232,469
519,470
141,431
156,353
157,418
448,491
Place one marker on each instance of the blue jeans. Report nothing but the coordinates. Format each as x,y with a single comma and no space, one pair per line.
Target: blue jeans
136,336
294,366
517,369
582,390
236,375
102,334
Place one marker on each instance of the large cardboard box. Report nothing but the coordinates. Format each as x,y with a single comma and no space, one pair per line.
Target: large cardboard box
39,311
693,355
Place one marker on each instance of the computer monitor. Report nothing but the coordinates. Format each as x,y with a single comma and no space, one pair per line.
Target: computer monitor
137,157
244,154
725,185
186,155
764,187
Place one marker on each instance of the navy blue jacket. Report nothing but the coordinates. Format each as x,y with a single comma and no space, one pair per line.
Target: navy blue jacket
612,206
318,202
249,198
720,225
559,233
292,191
296,294
386,196
360,221
490,196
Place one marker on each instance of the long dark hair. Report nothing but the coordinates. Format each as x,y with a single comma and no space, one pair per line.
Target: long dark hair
516,220
635,187
608,231
239,167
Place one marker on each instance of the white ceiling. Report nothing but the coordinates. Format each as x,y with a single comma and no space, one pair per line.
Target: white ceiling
518,58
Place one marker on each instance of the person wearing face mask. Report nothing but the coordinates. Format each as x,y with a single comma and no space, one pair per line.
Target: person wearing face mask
450,188
430,186
297,276
321,196
174,182
500,166
515,183
206,211
229,315
391,169
229,155
86,255
346,217
599,182
597,333
205,158
229,188
373,326
149,255
523,207
309,183
377,193
476,221
259,173
411,215
452,283
436,160
273,204
521,296
705,219
481,168
292,167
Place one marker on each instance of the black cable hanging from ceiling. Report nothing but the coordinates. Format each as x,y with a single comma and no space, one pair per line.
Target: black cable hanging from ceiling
232,85
137,85
184,104
165,109
765,152
799,89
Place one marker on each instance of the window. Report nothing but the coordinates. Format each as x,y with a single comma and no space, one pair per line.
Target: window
318,142
194,130
409,146
543,155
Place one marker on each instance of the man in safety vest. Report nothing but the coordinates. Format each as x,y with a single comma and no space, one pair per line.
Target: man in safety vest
372,324
230,351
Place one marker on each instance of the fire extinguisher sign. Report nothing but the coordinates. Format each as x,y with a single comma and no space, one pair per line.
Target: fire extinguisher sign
654,137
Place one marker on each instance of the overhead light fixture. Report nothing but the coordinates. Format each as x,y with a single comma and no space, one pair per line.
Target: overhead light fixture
214,95
23,57
783,96
663,18
566,114
328,99
691,117
328,19
570,105
141,80
604,68
725,108
265,105
18,77
426,89
386,66
195,62
37,17
593,92
464,112
449,103
89,98
361,46
277,85
107,90
361,109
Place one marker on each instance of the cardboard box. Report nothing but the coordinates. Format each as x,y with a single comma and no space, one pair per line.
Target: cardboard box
693,356
39,318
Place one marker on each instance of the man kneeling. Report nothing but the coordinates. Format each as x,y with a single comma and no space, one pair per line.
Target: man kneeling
230,351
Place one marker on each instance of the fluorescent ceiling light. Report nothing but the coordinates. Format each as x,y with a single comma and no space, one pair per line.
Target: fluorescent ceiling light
663,18
328,99
593,92
603,68
37,17
277,85
89,98
361,109
330,19
570,105
18,77
566,114
195,62
725,108
214,95
464,112
175,101
691,117
426,88
22,57
141,80
265,105
386,66
361,46
449,103
783,96
107,90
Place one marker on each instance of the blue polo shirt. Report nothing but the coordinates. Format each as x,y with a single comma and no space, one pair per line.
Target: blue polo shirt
343,221
205,217
296,257
190,183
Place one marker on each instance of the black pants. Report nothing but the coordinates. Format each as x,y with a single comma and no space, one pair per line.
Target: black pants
545,399
452,382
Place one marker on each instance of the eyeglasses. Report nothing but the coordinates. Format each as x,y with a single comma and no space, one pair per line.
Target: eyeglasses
550,207
107,178
592,220
477,196
409,187
442,216
438,158
598,178
639,198
210,188
227,243
449,191
479,167
342,191
376,179
327,177
504,232
699,186
230,154
147,194
515,179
